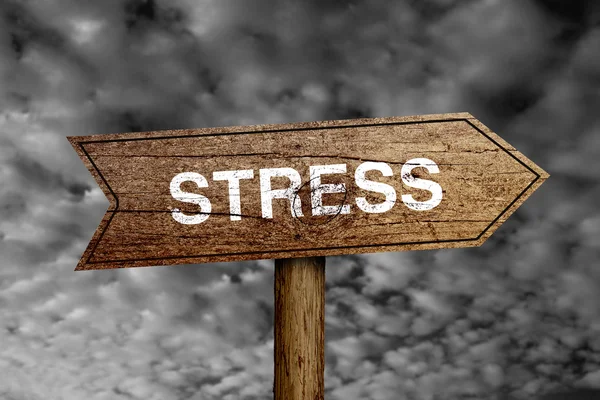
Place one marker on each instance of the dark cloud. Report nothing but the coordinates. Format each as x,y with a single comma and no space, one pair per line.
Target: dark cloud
12,205
578,12
34,175
139,10
24,28
578,394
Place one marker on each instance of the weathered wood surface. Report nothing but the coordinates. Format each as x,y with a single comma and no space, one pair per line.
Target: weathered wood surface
299,329
484,180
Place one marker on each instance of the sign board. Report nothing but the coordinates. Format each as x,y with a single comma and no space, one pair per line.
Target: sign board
301,190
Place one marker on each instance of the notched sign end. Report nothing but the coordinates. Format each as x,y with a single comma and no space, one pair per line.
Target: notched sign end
79,143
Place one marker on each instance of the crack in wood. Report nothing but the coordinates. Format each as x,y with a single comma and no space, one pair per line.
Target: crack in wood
195,212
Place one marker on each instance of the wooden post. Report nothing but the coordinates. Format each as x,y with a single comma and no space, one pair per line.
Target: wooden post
299,329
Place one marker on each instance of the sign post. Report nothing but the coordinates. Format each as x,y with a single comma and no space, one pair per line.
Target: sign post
297,193
299,329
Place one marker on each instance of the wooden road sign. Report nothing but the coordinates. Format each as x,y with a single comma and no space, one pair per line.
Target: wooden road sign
301,190
298,192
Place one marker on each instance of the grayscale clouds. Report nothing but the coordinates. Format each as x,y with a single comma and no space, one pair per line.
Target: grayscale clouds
518,318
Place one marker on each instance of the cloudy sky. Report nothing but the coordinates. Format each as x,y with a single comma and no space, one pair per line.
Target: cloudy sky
517,318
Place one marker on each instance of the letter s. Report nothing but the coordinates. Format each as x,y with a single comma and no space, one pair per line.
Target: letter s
411,181
364,183
178,194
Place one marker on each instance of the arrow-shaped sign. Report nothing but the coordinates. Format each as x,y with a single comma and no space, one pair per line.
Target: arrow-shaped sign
301,190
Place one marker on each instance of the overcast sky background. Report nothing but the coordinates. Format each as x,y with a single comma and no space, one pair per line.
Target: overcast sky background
517,318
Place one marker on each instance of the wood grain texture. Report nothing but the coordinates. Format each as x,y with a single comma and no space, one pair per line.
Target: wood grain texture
299,329
484,180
